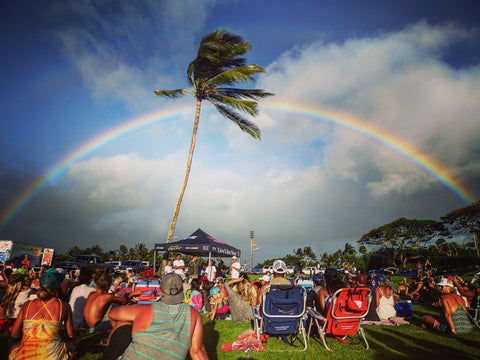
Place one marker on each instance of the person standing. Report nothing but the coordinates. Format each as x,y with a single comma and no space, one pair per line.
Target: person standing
168,267
169,329
235,268
211,272
193,267
179,266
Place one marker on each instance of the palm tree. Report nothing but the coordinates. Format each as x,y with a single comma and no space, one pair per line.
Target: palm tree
218,67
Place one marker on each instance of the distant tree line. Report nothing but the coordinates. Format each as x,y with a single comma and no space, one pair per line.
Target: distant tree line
404,242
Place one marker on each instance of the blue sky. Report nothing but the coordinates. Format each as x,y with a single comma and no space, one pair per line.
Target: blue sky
71,70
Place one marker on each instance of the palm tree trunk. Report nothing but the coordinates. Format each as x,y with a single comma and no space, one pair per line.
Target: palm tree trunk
173,223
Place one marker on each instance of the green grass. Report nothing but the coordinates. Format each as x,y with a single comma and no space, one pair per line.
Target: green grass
386,342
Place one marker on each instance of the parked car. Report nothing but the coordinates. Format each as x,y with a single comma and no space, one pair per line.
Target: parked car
136,266
267,269
290,270
257,270
311,270
90,261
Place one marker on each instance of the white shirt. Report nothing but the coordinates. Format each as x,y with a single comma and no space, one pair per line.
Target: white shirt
179,271
77,302
235,270
168,269
211,272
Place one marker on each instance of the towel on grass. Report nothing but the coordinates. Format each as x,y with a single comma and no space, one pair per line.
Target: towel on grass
246,341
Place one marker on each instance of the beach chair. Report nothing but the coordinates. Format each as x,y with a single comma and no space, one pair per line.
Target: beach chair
282,313
150,287
348,308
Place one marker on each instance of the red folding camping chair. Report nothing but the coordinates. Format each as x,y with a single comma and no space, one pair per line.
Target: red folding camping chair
348,308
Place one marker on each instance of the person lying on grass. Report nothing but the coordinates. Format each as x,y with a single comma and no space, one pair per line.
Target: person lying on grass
453,317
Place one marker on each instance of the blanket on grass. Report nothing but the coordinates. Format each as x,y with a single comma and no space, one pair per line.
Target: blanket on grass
390,321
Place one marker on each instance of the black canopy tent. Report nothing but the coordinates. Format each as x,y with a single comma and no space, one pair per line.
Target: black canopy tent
199,243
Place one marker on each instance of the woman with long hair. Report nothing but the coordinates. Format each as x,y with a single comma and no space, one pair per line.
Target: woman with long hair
384,299
242,297
16,294
333,282
40,321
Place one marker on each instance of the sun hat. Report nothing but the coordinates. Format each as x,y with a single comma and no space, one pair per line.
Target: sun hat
279,267
172,289
51,278
265,278
445,282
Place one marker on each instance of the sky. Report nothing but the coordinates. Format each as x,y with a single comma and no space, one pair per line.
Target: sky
375,117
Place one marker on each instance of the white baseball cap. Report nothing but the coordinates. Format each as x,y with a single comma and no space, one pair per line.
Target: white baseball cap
279,267
234,258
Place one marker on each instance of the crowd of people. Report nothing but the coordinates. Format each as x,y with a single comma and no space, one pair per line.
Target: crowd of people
37,305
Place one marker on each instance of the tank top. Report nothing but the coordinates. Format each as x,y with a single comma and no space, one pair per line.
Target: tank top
167,337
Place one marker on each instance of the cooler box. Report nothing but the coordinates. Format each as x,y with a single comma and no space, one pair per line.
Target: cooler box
404,308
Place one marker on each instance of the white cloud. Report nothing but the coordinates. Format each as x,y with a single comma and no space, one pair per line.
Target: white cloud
305,184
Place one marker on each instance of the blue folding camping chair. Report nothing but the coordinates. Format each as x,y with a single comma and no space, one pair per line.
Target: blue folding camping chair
282,313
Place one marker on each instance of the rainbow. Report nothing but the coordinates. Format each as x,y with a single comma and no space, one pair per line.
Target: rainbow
428,165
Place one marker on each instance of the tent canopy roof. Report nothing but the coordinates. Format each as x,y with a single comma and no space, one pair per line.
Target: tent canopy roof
200,243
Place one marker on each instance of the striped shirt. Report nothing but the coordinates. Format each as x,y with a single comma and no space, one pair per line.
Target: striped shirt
167,337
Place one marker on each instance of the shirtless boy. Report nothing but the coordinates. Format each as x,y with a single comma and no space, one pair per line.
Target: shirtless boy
98,303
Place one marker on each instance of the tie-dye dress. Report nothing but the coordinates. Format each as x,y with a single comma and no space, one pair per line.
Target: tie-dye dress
41,339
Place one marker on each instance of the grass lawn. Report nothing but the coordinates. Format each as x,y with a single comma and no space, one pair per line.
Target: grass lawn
386,342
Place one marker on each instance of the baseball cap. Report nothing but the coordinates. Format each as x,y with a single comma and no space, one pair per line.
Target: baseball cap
381,278
317,277
279,267
172,289
445,282
234,258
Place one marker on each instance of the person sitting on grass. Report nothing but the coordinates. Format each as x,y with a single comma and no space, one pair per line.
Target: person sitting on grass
218,302
453,317
98,303
242,297
402,290
39,322
384,299
206,286
468,291
414,288
169,329
193,296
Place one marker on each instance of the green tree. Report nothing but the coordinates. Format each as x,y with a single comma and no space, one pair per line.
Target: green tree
218,67
465,220
74,251
141,251
123,253
404,237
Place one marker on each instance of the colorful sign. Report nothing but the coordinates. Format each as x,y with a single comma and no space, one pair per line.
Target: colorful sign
47,256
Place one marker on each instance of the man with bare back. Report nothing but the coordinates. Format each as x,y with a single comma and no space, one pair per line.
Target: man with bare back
98,303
